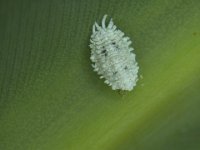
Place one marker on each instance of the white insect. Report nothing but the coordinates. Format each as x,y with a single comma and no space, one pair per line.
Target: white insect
112,56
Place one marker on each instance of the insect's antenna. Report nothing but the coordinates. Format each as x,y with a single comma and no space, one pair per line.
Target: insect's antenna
110,25
104,21
93,29
97,26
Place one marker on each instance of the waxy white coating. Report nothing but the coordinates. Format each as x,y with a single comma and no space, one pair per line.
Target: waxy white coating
112,56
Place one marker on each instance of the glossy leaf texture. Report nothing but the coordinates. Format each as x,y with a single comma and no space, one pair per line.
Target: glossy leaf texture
50,99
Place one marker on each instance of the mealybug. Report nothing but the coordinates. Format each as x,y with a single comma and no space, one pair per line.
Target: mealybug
112,56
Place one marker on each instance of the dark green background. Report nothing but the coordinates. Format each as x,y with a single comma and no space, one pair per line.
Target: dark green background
50,99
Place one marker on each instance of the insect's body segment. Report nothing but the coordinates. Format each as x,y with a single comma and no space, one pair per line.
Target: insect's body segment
112,56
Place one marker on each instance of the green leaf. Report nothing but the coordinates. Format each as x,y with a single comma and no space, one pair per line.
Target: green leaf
50,99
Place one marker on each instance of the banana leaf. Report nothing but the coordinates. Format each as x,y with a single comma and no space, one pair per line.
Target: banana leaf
50,98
